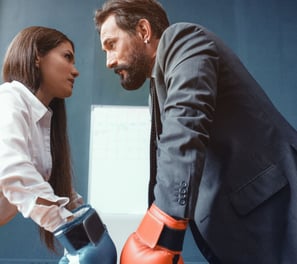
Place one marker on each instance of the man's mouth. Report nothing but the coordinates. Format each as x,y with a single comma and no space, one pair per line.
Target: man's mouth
119,72
120,69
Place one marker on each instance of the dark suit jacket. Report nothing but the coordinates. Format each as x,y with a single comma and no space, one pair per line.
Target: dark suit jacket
226,157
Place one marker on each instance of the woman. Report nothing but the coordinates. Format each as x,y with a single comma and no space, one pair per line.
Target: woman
35,168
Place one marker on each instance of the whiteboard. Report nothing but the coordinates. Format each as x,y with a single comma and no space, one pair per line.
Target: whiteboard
119,159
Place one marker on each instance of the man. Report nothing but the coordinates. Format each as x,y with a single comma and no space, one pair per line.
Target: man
225,157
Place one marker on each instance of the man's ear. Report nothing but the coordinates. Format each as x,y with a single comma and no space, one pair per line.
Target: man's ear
144,30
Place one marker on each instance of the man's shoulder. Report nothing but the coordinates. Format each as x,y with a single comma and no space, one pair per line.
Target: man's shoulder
179,26
182,29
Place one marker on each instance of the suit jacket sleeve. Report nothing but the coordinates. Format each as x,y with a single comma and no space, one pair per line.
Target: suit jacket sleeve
185,76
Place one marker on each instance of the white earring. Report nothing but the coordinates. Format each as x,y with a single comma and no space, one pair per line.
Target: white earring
146,41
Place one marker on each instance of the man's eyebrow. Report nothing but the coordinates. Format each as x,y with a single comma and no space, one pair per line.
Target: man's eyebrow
107,40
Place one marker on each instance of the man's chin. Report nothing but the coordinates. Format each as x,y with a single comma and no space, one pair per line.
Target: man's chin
131,86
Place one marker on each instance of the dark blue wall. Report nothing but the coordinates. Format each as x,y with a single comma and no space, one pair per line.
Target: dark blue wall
262,33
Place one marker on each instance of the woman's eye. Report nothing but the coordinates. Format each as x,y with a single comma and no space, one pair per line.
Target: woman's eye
68,56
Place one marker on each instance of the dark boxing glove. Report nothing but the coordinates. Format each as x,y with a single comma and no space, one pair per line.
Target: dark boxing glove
86,237
158,239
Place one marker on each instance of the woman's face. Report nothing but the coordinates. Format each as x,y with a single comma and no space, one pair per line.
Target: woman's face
57,73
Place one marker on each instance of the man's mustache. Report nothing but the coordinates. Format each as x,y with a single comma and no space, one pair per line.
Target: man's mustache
120,68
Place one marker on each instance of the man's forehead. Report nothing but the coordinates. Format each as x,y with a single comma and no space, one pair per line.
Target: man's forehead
109,28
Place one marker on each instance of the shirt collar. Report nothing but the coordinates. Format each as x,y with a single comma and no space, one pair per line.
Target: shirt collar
39,110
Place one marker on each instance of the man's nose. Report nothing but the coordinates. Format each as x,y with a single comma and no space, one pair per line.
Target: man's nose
110,61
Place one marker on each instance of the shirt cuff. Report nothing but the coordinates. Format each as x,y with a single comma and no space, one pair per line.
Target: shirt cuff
51,217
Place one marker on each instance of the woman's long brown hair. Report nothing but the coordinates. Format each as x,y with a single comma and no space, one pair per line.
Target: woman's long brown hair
19,65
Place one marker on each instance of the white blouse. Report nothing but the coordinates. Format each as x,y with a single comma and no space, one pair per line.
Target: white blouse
25,159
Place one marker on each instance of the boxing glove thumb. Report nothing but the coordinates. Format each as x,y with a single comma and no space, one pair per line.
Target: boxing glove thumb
158,239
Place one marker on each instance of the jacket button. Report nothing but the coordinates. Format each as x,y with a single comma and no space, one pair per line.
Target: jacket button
183,190
182,201
184,184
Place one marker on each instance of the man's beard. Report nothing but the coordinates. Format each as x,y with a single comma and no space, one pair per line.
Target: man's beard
136,70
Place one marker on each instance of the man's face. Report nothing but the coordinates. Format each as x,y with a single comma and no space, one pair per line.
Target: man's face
125,54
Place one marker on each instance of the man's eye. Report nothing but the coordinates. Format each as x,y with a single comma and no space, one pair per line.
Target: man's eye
111,45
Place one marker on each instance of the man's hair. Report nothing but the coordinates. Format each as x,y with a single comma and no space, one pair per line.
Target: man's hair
129,12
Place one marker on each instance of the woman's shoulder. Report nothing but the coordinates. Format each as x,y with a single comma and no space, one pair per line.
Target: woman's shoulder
14,96
12,89
16,93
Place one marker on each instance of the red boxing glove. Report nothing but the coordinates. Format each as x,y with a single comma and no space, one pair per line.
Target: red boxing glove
158,239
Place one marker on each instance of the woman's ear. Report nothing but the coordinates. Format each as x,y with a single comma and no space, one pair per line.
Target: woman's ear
144,30
37,62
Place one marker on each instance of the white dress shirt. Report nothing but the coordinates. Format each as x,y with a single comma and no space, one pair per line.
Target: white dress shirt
25,159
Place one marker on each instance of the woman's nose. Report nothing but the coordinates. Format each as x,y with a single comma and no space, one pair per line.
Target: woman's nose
75,72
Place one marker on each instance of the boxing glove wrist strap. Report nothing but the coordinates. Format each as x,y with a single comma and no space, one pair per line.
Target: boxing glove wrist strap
158,228
171,239
85,229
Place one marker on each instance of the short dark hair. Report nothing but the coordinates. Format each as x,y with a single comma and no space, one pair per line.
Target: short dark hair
129,12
